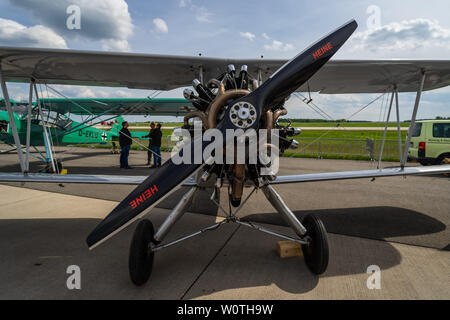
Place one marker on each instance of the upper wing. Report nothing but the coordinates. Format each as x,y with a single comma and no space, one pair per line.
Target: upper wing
155,107
161,72
372,76
310,177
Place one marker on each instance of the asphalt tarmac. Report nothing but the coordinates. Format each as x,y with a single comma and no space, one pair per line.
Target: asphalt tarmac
398,224
411,210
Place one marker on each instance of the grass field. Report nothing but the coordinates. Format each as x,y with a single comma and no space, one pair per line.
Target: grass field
347,124
325,144
333,144
297,124
332,134
353,134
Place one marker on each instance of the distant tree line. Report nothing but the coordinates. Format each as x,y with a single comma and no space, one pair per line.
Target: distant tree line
285,120
319,120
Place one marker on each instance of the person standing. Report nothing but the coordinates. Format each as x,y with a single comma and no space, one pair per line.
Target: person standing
149,136
125,142
156,146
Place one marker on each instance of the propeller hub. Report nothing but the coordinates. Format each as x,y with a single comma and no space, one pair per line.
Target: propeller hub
243,114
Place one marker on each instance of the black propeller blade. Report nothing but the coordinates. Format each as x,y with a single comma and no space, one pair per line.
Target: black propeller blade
148,193
280,85
303,66
299,69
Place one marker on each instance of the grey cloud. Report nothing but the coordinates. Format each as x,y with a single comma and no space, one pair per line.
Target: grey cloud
105,20
15,34
411,34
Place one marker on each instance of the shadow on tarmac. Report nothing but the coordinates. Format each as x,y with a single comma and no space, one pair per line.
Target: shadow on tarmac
36,253
378,223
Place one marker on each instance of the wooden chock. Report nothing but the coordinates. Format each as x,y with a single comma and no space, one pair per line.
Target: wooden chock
287,249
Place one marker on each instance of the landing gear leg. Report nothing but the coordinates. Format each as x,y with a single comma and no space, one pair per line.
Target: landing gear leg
142,249
312,230
114,149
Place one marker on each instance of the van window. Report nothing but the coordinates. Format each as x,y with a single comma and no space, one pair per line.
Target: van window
417,129
441,130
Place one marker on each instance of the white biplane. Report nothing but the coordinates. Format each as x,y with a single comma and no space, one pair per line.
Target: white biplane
226,99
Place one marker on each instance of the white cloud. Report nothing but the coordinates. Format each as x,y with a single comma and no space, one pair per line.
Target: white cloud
17,35
265,36
202,14
73,91
396,36
108,21
160,25
247,35
184,3
278,46
85,92
115,45
288,46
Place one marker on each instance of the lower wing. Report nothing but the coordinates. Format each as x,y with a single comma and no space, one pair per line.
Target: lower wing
297,178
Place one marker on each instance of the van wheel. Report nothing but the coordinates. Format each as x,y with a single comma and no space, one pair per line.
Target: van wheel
441,159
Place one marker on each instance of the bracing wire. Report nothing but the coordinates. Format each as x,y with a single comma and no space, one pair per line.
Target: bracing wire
339,123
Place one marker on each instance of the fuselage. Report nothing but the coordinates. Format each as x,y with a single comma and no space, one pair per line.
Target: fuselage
63,132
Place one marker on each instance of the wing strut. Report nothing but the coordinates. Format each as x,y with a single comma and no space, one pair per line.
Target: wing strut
47,140
399,134
28,142
413,121
385,130
12,121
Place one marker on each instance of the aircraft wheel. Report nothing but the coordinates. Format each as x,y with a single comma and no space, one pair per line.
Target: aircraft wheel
316,252
235,203
140,261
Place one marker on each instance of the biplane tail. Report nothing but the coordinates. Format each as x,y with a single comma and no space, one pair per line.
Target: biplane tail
117,125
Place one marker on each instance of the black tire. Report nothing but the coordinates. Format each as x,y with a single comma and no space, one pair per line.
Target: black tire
441,158
316,252
235,203
140,261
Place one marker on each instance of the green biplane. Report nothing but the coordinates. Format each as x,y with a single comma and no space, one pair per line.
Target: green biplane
52,118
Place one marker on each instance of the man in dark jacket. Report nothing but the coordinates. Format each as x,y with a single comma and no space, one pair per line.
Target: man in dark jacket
154,145
149,136
125,142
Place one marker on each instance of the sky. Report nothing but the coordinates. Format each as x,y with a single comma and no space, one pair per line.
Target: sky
238,29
